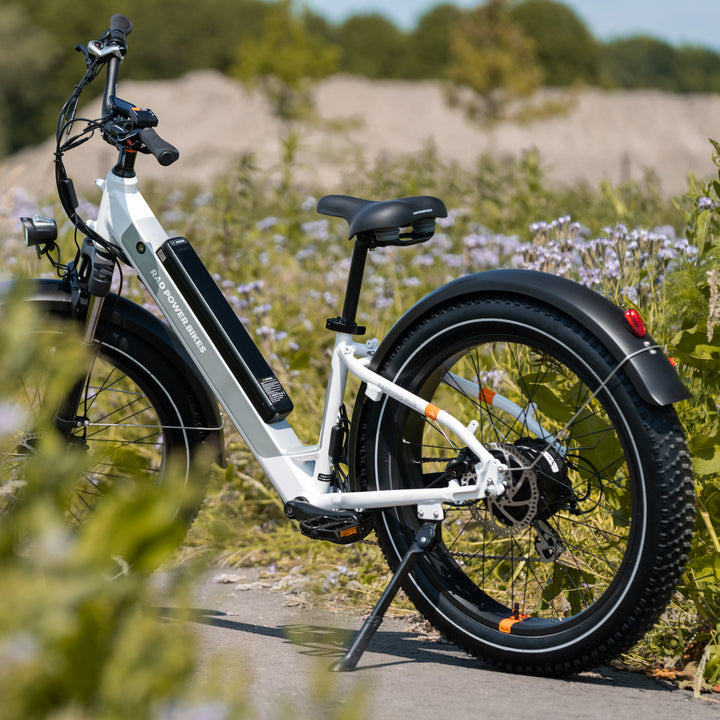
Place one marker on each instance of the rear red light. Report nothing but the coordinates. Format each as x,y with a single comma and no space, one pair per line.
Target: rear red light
635,322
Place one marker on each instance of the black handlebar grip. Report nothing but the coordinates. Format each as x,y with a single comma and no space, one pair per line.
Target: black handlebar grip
120,27
164,152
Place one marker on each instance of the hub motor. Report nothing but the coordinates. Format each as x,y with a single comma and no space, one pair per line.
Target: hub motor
537,488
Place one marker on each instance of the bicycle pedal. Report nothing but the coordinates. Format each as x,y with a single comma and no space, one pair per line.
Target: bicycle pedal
338,526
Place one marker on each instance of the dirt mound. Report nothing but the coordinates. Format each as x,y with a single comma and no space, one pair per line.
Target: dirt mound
214,120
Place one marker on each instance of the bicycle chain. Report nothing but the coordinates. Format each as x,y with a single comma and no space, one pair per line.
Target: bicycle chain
468,555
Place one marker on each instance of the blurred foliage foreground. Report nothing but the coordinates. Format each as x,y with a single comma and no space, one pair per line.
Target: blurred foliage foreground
76,644
87,632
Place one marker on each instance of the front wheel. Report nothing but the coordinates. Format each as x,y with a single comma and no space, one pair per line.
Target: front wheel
133,412
578,558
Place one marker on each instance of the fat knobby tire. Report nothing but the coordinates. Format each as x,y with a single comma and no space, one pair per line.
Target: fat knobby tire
651,505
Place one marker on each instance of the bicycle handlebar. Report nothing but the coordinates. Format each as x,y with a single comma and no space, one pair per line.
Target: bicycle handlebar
110,85
120,28
164,152
123,125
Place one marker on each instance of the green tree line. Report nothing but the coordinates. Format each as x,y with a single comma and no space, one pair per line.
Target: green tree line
528,43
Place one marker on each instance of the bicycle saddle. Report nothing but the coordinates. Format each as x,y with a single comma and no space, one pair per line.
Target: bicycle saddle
369,216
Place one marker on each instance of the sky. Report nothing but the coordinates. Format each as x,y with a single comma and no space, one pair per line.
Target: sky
678,22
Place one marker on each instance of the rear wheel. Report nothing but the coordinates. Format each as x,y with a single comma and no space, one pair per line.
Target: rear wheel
574,563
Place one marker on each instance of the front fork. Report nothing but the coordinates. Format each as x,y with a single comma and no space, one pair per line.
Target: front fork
95,270
91,277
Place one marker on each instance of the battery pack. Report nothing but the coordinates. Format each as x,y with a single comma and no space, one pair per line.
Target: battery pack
225,330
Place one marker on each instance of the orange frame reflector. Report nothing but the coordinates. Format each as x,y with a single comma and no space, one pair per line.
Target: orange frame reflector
486,395
431,411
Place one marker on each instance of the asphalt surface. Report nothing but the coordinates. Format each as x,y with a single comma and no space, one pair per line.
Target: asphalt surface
278,654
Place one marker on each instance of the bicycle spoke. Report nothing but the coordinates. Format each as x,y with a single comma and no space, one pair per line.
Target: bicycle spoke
117,416
584,510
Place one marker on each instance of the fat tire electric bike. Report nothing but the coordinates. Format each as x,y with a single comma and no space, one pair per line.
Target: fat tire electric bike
513,444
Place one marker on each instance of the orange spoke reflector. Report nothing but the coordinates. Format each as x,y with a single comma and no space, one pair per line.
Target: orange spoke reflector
486,395
431,411
506,624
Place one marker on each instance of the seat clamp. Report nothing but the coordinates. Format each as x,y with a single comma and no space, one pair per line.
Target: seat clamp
337,324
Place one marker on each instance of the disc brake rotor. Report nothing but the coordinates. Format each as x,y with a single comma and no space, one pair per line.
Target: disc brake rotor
516,508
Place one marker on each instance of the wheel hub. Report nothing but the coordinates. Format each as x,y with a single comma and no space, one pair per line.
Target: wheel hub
537,487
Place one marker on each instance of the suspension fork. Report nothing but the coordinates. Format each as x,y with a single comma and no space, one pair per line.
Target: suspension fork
93,275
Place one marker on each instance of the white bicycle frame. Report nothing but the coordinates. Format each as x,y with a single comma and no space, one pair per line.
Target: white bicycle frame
295,470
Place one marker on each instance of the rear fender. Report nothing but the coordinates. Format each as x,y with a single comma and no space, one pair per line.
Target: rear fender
650,372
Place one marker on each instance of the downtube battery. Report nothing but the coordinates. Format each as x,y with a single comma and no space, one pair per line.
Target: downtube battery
225,330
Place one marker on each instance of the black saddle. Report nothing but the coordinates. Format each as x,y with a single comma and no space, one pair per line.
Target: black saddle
383,219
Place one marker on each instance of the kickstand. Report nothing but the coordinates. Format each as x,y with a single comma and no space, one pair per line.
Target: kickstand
424,540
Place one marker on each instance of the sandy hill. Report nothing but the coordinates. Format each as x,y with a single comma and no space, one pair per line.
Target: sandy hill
213,120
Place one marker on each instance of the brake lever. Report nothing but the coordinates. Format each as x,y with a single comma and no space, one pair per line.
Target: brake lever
106,47
104,51
85,52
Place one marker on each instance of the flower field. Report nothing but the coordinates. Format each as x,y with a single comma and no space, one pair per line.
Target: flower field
283,269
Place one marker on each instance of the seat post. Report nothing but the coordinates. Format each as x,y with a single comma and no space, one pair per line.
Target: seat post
346,323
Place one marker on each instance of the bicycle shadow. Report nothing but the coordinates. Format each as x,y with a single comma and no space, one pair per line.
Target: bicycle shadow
328,642
397,647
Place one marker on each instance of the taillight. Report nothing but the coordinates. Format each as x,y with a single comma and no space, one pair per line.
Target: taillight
635,322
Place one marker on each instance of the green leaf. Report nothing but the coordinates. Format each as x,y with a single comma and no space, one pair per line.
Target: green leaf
705,452
577,585
705,351
703,223
706,569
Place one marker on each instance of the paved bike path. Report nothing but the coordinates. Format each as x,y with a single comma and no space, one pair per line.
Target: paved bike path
251,636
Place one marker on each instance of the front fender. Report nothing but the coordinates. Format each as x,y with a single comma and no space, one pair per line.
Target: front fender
651,373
